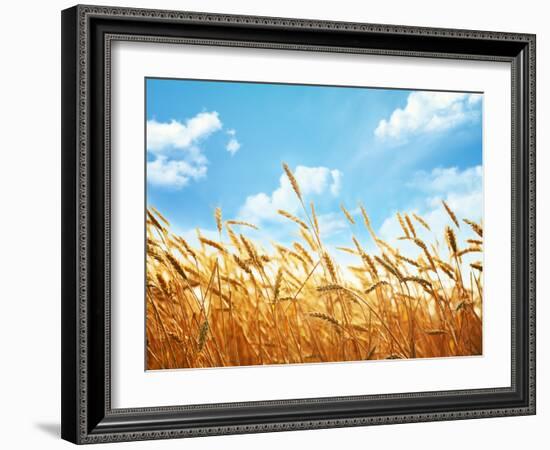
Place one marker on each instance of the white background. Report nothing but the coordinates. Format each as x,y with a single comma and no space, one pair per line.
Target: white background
133,387
30,199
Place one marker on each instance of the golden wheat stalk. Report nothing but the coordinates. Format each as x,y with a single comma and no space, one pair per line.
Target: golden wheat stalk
422,222
251,250
469,250
242,223
306,236
427,285
186,246
176,265
451,213
328,319
329,266
347,214
277,284
212,244
292,180
365,216
477,228
408,260
367,222
218,217
451,240
293,218
475,242
347,250
233,237
389,267
160,216
203,335
315,220
155,222
420,243
376,286
477,265
330,288
244,266
302,251
403,226
410,225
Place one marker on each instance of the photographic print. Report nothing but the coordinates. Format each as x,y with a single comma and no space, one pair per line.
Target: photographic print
291,224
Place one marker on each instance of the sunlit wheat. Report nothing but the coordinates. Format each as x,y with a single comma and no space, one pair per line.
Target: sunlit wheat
228,301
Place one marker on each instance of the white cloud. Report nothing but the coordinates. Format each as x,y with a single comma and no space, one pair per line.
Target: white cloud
233,146
258,207
178,135
427,112
312,181
463,192
336,182
173,173
175,145
449,179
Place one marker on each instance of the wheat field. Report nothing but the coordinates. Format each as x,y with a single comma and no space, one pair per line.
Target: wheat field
231,302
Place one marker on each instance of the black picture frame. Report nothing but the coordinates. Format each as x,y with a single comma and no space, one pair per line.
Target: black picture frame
87,416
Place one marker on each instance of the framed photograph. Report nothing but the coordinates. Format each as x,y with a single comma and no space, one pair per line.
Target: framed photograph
279,224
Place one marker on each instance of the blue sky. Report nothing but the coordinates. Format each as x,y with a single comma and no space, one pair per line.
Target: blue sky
213,144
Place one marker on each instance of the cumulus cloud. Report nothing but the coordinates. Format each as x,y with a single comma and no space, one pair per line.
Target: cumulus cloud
427,112
178,135
174,173
312,180
449,179
176,148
